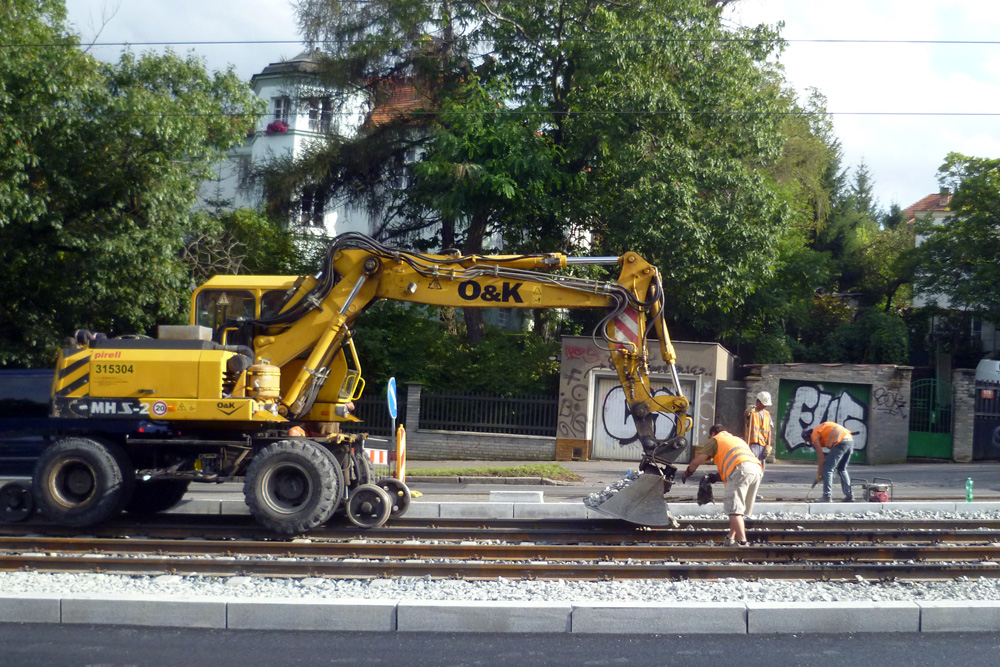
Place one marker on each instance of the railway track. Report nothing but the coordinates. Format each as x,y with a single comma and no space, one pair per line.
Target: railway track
827,550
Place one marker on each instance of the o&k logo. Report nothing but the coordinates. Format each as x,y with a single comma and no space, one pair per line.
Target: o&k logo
470,290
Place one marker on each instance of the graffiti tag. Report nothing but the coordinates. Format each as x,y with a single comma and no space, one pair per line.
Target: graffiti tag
618,423
890,402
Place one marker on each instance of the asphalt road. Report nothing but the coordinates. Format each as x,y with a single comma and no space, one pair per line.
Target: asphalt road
99,646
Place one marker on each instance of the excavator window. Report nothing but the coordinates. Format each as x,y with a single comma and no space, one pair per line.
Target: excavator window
271,302
215,307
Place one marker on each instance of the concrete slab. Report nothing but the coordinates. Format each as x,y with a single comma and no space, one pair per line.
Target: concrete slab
959,616
965,508
477,511
423,510
516,496
324,615
487,616
694,510
550,511
197,506
918,506
832,617
30,608
659,618
152,610
781,508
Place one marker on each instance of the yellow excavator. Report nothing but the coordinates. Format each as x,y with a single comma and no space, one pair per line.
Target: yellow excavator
257,384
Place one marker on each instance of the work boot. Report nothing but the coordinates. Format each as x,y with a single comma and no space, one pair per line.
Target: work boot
849,499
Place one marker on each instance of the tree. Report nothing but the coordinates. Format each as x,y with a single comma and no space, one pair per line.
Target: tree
560,124
958,258
99,170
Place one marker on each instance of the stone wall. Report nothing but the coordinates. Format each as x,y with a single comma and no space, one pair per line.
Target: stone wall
872,400
963,411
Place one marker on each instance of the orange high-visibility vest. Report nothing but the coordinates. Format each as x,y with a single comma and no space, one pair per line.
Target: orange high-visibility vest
731,452
830,434
758,427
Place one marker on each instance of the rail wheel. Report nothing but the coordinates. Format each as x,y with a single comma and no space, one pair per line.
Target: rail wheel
156,495
399,493
291,487
16,503
79,482
369,506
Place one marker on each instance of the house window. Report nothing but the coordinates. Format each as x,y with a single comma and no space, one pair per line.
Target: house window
313,206
281,109
320,111
503,318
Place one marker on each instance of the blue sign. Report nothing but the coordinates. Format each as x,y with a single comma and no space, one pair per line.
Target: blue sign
390,394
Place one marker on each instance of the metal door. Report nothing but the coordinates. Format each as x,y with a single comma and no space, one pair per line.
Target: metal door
613,433
930,419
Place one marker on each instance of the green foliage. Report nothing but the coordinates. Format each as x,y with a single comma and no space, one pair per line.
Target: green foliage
619,126
412,345
874,337
958,258
242,242
99,169
552,471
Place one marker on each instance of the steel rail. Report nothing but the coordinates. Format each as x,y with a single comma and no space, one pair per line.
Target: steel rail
501,552
355,568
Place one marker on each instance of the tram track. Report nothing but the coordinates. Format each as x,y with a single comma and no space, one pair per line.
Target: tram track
550,550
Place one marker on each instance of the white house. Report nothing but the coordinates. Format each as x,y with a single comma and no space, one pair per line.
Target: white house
299,111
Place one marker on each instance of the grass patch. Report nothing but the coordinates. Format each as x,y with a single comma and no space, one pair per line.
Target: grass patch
549,470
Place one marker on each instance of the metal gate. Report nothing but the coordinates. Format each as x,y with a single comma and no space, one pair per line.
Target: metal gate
930,419
613,431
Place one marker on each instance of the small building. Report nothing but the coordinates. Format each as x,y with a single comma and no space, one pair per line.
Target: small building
594,422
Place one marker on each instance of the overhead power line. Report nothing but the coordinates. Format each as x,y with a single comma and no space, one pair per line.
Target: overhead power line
585,40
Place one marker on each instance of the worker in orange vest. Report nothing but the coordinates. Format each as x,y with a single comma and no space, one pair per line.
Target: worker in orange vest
740,471
834,445
759,433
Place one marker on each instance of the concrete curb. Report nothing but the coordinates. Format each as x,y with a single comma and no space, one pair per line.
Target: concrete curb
512,509
505,617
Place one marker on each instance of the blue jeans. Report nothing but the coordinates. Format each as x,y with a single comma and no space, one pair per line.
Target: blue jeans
837,459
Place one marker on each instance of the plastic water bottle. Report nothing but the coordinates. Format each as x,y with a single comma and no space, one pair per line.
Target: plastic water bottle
968,490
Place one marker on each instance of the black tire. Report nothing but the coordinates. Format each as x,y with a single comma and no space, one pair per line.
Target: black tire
291,487
78,481
156,495
364,470
399,493
369,506
341,503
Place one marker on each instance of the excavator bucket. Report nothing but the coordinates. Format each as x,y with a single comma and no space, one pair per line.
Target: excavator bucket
640,502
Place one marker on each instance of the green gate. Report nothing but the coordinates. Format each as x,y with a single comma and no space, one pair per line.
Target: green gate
930,419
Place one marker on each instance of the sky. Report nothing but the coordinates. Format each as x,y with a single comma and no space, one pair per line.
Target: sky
901,97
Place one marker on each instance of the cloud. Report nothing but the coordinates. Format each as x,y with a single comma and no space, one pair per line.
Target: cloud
902,152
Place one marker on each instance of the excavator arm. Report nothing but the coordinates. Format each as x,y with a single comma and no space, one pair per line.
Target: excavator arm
316,319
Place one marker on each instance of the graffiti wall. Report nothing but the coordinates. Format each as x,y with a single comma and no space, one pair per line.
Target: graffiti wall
871,400
805,404
591,403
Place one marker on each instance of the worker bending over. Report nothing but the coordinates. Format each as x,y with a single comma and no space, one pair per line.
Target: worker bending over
741,473
834,445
